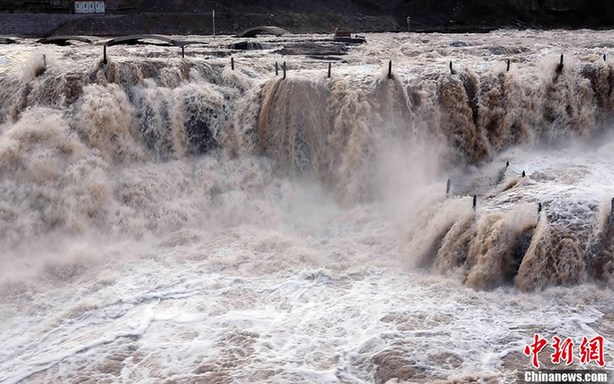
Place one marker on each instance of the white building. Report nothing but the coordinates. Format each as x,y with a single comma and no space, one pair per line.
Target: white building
89,7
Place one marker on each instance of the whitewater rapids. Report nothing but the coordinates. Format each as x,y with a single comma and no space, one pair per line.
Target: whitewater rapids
169,220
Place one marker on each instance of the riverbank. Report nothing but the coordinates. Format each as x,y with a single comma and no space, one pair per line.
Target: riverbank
195,17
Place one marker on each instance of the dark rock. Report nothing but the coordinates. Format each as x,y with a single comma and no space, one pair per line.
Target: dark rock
246,46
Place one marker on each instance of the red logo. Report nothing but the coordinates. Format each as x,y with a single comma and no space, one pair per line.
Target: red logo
535,348
590,350
562,351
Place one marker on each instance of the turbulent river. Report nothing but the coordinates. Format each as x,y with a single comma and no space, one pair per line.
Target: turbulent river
172,220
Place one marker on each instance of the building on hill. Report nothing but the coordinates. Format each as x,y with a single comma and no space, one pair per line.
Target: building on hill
89,7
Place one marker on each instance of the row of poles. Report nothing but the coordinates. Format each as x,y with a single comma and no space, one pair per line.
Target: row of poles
474,200
452,71
507,165
559,67
232,63
475,197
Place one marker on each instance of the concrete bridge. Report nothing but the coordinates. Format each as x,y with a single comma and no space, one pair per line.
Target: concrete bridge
262,30
121,40
150,39
66,40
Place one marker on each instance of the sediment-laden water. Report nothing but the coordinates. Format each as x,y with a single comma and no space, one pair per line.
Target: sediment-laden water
169,220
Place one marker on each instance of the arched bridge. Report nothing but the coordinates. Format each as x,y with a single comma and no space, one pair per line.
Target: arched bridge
262,30
150,39
66,40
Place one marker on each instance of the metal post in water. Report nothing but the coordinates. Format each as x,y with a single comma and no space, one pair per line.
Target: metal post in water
390,69
44,61
284,68
559,67
539,208
183,51
104,54
232,63
523,174
475,201
451,70
329,69
213,17
604,57
276,69
507,164
448,187
508,65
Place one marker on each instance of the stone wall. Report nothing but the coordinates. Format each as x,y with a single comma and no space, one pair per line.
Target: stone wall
33,24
